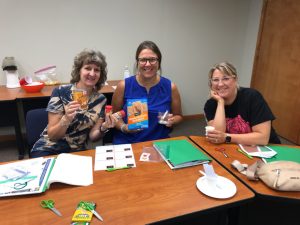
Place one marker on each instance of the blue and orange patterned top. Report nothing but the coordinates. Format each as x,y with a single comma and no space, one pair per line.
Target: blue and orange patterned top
77,133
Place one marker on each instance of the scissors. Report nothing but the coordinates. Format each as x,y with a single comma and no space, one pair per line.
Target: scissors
49,204
90,207
222,150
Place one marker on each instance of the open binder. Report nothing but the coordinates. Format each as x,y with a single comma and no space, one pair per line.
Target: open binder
180,153
34,176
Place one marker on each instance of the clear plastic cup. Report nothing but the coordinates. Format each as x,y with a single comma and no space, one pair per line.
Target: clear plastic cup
163,117
81,97
209,128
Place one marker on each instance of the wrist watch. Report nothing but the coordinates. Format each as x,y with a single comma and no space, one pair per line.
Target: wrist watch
228,138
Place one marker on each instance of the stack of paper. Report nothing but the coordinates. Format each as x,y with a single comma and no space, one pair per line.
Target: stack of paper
258,151
180,153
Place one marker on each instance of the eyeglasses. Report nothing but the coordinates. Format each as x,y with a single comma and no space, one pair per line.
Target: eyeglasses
143,61
224,80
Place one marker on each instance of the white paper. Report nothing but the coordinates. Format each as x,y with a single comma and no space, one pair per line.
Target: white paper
209,170
24,177
255,150
30,176
72,169
114,156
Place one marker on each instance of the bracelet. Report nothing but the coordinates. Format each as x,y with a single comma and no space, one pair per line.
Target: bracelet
64,122
122,128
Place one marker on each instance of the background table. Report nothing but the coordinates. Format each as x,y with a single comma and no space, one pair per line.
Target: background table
15,103
231,150
269,206
149,193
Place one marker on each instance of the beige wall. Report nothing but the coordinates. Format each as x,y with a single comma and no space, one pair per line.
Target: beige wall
192,35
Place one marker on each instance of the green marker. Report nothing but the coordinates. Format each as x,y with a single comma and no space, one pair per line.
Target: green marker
249,156
120,168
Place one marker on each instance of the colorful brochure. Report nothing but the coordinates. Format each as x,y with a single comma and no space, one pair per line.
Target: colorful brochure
137,113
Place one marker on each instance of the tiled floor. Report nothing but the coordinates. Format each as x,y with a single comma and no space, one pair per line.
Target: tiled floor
8,149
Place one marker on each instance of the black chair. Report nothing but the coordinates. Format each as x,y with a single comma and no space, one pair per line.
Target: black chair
36,121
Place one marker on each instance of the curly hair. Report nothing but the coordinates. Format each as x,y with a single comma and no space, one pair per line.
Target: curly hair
85,57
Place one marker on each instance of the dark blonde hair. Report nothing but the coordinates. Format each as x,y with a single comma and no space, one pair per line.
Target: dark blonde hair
85,57
225,67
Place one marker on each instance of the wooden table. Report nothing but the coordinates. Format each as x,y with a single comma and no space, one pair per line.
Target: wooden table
15,103
149,193
47,90
258,187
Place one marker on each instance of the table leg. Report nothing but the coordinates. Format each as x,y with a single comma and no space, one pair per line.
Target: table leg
19,123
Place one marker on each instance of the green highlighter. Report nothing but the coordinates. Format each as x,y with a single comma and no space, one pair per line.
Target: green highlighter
119,168
249,156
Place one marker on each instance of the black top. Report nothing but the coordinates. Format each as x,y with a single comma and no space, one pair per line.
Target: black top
248,109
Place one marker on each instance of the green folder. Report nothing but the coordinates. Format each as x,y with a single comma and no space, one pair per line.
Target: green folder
285,153
180,153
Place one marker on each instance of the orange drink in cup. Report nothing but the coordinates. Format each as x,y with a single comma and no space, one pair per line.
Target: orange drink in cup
81,97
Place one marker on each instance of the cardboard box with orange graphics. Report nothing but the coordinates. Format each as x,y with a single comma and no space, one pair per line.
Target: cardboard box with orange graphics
137,113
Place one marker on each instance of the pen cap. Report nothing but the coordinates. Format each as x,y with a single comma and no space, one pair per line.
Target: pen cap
108,109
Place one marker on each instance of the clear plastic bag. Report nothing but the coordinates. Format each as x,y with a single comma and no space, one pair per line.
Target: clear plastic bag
150,154
47,75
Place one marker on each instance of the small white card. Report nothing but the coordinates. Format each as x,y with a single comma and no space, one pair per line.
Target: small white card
145,157
209,170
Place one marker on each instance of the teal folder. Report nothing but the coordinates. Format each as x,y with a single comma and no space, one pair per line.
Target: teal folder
285,153
180,153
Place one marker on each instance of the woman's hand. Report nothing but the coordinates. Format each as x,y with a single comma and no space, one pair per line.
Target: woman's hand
170,120
110,122
216,96
71,110
124,129
216,137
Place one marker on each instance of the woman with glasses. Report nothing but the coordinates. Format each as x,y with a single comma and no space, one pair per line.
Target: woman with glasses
239,115
150,92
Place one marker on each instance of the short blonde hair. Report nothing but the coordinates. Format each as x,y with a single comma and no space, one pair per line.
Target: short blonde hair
225,67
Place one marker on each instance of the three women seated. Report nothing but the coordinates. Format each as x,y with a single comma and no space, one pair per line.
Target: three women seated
239,115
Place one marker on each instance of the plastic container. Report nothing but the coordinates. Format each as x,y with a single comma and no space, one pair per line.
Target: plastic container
118,115
108,109
126,72
33,87
47,75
